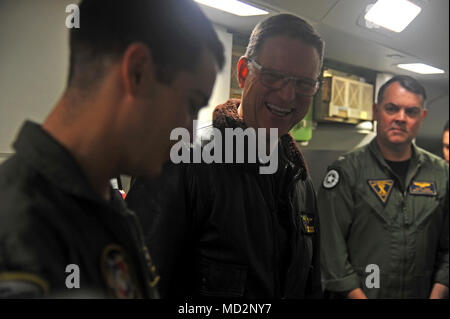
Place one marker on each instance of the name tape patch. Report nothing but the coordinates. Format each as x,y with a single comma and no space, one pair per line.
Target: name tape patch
308,223
423,188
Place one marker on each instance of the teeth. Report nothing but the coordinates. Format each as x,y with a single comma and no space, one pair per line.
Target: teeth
278,111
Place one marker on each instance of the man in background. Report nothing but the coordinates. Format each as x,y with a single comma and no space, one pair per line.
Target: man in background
384,208
138,69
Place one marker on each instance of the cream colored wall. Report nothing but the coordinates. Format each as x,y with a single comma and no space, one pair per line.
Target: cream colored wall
33,62
221,91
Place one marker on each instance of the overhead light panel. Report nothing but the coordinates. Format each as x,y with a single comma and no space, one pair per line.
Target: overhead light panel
420,68
234,7
393,15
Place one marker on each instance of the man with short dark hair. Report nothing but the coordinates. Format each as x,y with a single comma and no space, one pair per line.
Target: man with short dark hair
138,69
384,208
224,229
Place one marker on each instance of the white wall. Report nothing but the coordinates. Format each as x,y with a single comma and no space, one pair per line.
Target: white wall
380,80
33,62
221,91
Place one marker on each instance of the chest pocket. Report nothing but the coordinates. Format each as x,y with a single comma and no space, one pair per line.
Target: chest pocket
221,280
424,199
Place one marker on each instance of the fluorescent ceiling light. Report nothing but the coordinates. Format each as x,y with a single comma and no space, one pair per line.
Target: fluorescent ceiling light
420,68
234,7
394,15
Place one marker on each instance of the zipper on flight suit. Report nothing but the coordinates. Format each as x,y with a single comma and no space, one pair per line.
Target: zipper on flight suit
148,268
403,212
404,242
273,208
295,232
403,189
408,179
268,200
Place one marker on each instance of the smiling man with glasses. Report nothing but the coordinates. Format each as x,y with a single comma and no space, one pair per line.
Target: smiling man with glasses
231,231
385,206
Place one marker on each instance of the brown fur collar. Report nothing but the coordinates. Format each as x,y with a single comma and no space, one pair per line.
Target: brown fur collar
226,115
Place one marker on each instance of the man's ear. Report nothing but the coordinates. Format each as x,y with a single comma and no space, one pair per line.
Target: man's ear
242,71
424,115
136,63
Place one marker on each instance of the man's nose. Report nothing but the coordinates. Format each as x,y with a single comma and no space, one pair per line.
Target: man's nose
287,92
401,115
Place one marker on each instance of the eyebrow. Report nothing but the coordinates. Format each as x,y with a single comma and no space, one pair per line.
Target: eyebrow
406,107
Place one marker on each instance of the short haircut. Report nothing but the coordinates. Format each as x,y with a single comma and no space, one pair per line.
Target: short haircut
446,126
407,82
175,31
288,25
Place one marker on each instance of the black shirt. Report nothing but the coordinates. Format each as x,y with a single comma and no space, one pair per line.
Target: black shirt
399,168
52,220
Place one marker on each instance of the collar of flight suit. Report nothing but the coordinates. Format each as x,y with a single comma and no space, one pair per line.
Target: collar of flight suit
51,159
417,159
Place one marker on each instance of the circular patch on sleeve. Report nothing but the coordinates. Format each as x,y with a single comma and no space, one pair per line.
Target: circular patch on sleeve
118,273
331,179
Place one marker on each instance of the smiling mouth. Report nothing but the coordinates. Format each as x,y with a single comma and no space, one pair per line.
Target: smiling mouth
278,111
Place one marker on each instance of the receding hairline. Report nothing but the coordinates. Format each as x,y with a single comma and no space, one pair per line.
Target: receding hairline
422,98
284,25
290,37
408,83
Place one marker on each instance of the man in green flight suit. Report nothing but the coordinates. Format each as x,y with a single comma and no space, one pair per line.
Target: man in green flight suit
384,208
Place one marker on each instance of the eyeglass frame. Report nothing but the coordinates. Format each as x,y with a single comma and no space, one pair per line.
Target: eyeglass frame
287,78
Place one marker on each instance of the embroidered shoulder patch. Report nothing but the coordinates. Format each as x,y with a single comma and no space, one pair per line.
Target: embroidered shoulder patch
331,179
308,223
118,273
422,188
382,188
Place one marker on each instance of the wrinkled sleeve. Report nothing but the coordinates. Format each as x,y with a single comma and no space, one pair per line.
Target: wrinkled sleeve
335,205
27,246
20,276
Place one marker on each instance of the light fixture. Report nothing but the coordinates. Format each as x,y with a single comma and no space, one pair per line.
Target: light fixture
420,68
234,7
394,15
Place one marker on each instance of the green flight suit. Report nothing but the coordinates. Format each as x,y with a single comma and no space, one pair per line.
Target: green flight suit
369,216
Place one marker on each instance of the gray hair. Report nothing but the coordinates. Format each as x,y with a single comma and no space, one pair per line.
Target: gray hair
284,24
